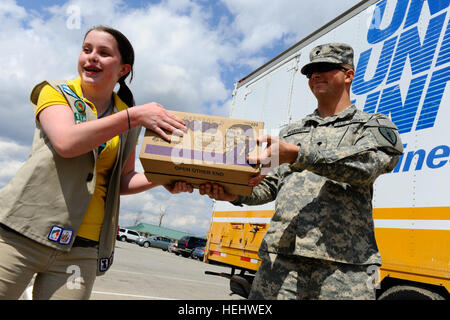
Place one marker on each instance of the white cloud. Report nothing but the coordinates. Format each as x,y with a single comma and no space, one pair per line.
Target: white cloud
12,157
10,149
7,171
178,58
264,22
10,11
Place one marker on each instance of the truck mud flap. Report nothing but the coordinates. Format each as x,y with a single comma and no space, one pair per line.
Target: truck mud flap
239,284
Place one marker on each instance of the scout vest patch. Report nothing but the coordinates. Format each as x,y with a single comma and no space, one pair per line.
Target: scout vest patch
105,263
61,235
80,106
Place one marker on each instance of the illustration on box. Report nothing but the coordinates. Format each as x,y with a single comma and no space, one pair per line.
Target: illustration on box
212,149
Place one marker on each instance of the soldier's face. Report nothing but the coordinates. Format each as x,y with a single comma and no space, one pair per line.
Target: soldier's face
328,84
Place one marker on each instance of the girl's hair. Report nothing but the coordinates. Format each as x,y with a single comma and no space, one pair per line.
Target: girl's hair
127,53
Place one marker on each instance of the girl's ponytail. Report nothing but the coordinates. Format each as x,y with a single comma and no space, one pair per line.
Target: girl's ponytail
125,93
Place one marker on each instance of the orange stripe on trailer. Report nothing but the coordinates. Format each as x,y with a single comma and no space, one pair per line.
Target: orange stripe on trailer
246,214
420,213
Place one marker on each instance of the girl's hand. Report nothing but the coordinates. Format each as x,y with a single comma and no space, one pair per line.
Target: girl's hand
153,116
178,187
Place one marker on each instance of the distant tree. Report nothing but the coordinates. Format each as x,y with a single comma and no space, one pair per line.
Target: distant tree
138,218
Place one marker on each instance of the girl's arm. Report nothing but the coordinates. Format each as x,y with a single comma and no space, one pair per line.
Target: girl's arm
70,140
133,182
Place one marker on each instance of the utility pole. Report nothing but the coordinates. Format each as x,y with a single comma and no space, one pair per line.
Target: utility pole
138,218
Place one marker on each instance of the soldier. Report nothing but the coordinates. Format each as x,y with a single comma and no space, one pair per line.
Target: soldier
321,242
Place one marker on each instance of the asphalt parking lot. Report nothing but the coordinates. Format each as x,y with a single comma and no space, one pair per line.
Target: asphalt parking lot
140,273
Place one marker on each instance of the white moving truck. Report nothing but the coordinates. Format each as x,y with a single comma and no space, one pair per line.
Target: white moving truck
402,60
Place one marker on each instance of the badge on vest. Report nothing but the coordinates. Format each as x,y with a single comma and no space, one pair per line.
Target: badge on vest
80,106
105,263
60,235
69,91
80,116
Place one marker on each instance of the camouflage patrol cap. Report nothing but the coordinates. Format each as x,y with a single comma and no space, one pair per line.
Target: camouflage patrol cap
338,53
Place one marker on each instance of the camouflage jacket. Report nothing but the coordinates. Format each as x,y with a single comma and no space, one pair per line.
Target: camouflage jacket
323,205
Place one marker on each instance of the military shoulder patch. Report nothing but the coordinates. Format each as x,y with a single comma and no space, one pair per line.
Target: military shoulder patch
388,134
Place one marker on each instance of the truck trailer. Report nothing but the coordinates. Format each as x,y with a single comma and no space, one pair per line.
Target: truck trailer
402,61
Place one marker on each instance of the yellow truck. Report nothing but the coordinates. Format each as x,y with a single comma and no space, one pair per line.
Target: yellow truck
402,59
233,239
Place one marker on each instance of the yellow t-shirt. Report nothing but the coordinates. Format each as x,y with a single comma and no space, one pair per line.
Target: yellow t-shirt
93,219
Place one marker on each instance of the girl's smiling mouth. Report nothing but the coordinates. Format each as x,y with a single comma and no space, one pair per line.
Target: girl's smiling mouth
92,69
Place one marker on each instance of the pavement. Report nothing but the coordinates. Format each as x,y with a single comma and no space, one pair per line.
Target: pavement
140,273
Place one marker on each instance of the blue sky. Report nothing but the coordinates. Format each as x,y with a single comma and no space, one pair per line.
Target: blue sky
189,54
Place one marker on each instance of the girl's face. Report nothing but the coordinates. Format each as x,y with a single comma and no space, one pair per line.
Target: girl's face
100,62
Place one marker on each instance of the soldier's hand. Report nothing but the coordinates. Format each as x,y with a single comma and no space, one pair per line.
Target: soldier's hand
215,191
254,181
276,153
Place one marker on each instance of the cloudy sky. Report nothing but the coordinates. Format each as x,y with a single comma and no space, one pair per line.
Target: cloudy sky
189,54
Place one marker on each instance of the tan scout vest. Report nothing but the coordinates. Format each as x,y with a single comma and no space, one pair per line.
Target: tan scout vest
47,199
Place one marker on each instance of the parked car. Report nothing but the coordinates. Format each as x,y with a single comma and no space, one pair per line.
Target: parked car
155,241
198,253
128,235
187,244
173,247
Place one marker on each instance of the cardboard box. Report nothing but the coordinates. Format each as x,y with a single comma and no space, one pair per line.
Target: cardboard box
213,149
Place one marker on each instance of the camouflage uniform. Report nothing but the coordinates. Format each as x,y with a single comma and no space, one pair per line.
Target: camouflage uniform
322,230
294,277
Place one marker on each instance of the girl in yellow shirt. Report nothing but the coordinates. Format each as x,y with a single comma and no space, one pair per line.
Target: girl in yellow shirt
106,59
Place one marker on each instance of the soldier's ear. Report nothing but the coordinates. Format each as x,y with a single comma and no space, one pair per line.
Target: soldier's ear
349,75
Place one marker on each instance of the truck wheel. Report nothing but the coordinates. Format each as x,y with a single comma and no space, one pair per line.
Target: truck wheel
123,238
408,292
240,286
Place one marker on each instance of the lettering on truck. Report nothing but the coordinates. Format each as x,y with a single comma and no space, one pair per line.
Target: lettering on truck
404,39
